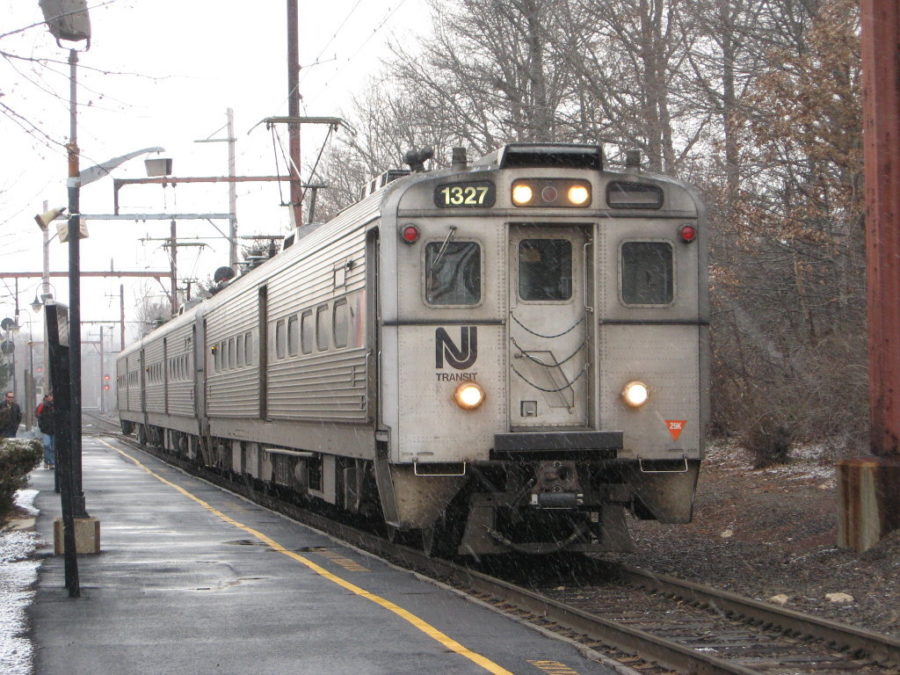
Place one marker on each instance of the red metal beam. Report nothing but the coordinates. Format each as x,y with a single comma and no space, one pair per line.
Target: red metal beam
28,275
881,140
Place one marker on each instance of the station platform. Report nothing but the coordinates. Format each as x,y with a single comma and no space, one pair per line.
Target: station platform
193,579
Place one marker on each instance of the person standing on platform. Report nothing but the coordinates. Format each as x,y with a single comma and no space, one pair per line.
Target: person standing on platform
44,414
10,416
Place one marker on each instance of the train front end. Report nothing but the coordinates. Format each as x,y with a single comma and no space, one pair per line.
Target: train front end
542,328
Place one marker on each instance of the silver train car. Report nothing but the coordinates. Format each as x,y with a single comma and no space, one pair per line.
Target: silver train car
506,355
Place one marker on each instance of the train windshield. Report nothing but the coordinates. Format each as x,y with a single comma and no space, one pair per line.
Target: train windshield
545,269
453,273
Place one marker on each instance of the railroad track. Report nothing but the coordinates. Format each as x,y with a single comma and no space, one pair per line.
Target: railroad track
651,623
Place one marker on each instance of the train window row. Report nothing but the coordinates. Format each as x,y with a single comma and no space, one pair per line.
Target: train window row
453,277
154,373
180,368
327,326
234,352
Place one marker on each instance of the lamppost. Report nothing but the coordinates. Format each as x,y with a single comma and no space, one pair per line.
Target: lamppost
68,20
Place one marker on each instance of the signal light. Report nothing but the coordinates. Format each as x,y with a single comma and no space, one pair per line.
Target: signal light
687,233
106,378
410,234
105,387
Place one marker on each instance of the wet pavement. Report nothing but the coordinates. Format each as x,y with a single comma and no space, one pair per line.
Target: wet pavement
192,579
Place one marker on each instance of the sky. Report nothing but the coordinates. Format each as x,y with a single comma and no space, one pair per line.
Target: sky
163,73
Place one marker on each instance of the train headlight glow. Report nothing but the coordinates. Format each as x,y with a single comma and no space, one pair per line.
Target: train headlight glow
469,395
578,195
522,194
635,394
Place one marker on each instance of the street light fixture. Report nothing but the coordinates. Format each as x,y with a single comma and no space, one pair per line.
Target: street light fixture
158,166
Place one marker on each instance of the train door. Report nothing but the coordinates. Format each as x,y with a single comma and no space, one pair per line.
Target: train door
549,327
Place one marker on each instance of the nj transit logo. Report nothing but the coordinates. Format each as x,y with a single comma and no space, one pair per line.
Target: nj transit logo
459,357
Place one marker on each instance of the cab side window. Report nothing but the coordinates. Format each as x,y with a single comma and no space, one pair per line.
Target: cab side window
453,273
647,273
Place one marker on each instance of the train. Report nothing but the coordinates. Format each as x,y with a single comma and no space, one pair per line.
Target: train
505,355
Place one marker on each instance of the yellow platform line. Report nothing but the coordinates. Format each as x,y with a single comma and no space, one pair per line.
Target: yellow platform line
404,614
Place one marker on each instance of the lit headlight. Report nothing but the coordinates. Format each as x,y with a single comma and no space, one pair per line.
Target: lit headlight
522,194
469,395
579,195
635,394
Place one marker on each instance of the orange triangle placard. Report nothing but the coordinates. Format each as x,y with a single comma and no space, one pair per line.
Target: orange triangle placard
675,427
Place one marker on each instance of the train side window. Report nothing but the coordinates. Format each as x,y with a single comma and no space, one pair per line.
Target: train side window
545,269
306,332
230,364
341,319
248,348
293,334
322,327
239,351
279,339
453,273
647,273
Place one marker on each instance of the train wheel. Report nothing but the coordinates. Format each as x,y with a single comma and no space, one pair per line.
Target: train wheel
392,533
433,542
402,537
441,539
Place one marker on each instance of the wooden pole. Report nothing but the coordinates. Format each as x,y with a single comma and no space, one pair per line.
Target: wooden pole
869,496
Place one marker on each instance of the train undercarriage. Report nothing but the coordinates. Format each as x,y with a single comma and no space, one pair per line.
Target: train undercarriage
531,506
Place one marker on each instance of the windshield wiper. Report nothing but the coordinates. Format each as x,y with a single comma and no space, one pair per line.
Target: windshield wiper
443,248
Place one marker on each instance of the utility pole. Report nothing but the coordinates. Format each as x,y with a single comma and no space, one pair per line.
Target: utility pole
121,317
173,257
172,243
294,111
232,187
232,194
869,487
102,371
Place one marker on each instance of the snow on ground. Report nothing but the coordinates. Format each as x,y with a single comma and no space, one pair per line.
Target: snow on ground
18,575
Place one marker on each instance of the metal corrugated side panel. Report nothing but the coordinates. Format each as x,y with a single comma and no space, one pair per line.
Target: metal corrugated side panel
153,355
235,392
181,386
325,386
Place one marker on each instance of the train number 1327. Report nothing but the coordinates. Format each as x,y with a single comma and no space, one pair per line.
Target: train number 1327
455,195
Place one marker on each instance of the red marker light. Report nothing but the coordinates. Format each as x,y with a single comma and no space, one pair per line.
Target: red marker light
687,233
410,234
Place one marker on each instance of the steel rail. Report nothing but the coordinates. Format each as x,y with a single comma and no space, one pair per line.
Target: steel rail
875,646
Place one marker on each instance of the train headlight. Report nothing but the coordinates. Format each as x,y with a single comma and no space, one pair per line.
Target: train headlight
522,194
635,394
469,395
551,193
579,195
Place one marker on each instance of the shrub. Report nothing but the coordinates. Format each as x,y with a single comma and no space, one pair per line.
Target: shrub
768,439
17,459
